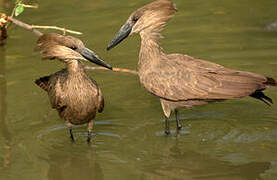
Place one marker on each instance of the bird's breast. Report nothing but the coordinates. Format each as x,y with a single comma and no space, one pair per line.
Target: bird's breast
80,97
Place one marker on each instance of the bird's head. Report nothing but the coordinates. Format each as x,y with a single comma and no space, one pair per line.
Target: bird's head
150,18
66,49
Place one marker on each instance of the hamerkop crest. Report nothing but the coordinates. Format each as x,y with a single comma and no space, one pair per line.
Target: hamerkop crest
181,80
71,92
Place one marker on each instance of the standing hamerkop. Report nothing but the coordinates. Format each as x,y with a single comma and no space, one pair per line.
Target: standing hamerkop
71,92
181,80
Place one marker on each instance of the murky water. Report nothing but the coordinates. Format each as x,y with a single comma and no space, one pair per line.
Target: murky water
229,140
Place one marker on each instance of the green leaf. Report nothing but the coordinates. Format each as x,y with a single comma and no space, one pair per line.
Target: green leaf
19,10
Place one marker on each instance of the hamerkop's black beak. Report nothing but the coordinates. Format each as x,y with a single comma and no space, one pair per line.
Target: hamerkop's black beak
92,57
121,35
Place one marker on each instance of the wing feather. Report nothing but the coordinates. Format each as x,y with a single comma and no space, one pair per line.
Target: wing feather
180,77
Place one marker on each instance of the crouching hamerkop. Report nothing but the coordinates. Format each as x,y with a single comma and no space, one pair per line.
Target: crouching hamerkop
72,93
181,80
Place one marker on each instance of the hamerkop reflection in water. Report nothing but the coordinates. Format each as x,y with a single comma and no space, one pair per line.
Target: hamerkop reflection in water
181,80
71,92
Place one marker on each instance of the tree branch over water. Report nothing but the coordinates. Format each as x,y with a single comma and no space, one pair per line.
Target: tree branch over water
5,21
25,26
56,28
34,28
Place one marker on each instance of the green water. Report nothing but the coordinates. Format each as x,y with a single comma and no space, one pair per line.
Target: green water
231,140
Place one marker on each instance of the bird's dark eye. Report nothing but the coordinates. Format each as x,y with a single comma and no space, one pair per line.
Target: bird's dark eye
73,48
135,19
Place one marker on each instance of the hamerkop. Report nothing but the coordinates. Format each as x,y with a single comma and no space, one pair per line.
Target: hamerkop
181,80
72,93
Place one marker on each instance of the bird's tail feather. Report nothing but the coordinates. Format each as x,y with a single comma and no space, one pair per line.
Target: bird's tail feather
262,97
42,82
270,81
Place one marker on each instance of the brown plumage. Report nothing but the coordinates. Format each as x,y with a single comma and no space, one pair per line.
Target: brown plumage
181,80
72,93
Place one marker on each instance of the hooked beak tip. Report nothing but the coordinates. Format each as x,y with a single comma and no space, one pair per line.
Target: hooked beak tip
92,57
123,33
110,67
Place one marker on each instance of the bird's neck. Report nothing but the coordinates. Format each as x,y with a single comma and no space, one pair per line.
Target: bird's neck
75,68
150,50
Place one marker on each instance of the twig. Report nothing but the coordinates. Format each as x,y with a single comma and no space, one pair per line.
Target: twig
57,28
24,25
13,12
23,5
34,27
28,6
114,69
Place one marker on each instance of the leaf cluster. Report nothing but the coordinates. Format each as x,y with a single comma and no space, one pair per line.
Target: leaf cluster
19,8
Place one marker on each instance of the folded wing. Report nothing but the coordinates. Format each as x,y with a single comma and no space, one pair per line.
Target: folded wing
180,77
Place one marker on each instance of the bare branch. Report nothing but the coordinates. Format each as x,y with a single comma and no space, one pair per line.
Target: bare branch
114,69
28,6
57,28
24,25
34,27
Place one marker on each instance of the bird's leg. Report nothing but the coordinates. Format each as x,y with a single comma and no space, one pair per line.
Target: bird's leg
167,131
167,111
71,134
69,125
90,127
179,125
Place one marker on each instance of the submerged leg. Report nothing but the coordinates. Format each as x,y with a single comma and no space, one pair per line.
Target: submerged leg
71,134
179,125
69,125
167,111
166,131
90,127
